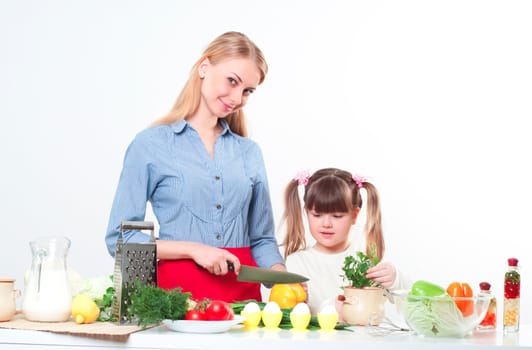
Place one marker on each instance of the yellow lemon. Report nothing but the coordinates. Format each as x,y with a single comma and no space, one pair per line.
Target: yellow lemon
84,309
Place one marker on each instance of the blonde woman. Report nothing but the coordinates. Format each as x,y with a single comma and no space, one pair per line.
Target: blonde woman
205,180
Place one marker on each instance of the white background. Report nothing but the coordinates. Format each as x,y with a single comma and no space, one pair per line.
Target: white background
430,99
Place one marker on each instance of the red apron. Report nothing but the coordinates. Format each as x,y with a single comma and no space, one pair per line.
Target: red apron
185,273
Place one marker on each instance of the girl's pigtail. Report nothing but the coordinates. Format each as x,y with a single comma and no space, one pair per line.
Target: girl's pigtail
294,238
373,227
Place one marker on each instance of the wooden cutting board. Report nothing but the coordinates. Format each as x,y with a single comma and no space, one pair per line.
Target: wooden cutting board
103,330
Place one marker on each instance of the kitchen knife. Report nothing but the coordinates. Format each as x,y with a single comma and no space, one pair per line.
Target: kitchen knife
261,275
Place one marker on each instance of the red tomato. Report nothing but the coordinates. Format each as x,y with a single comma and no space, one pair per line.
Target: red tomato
460,290
219,310
195,315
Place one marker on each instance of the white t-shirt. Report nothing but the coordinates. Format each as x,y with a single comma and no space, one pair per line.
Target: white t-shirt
325,275
324,272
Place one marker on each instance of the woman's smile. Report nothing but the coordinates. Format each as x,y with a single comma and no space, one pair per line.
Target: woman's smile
227,108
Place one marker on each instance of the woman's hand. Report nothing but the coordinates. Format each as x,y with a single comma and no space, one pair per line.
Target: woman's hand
215,260
210,258
384,273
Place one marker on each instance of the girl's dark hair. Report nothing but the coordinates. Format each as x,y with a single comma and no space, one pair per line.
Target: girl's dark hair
330,190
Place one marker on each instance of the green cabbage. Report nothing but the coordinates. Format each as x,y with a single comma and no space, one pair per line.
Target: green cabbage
437,316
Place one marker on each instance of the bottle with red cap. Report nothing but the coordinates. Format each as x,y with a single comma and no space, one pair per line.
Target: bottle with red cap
490,320
512,291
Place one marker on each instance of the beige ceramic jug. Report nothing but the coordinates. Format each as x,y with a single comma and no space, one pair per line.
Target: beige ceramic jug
8,296
363,306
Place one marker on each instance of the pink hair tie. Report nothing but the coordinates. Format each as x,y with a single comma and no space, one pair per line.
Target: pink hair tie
359,180
302,177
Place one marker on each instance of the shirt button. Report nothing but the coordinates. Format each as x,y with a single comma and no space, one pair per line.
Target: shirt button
218,206
217,177
218,236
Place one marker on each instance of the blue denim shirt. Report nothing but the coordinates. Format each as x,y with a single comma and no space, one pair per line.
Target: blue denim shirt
222,201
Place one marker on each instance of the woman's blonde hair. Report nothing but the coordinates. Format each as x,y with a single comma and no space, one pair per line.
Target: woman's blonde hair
331,190
226,46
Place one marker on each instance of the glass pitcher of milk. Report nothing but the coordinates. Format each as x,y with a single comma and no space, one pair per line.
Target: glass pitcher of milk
47,293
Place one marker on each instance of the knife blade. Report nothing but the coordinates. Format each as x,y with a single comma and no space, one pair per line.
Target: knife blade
262,275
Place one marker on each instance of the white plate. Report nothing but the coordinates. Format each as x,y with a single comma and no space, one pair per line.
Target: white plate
202,326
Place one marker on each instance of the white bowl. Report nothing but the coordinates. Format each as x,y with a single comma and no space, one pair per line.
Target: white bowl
189,326
440,316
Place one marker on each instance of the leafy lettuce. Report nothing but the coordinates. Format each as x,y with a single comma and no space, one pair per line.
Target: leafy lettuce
96,287
437,316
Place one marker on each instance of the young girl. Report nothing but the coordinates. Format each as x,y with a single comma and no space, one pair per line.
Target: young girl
332,202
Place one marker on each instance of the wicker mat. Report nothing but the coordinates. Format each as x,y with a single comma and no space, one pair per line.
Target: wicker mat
102,330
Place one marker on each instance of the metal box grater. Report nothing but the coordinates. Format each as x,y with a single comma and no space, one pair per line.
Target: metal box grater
133,262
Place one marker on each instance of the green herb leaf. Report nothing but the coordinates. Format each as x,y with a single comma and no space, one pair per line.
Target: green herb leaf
356,267
105,303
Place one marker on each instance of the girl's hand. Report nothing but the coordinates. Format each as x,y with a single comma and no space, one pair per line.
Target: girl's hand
384,274
338,305
215,260
278,267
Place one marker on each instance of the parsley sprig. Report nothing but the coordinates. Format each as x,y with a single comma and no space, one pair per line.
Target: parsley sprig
356,267
105,303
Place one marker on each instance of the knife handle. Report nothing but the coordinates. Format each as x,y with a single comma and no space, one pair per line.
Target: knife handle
230,266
